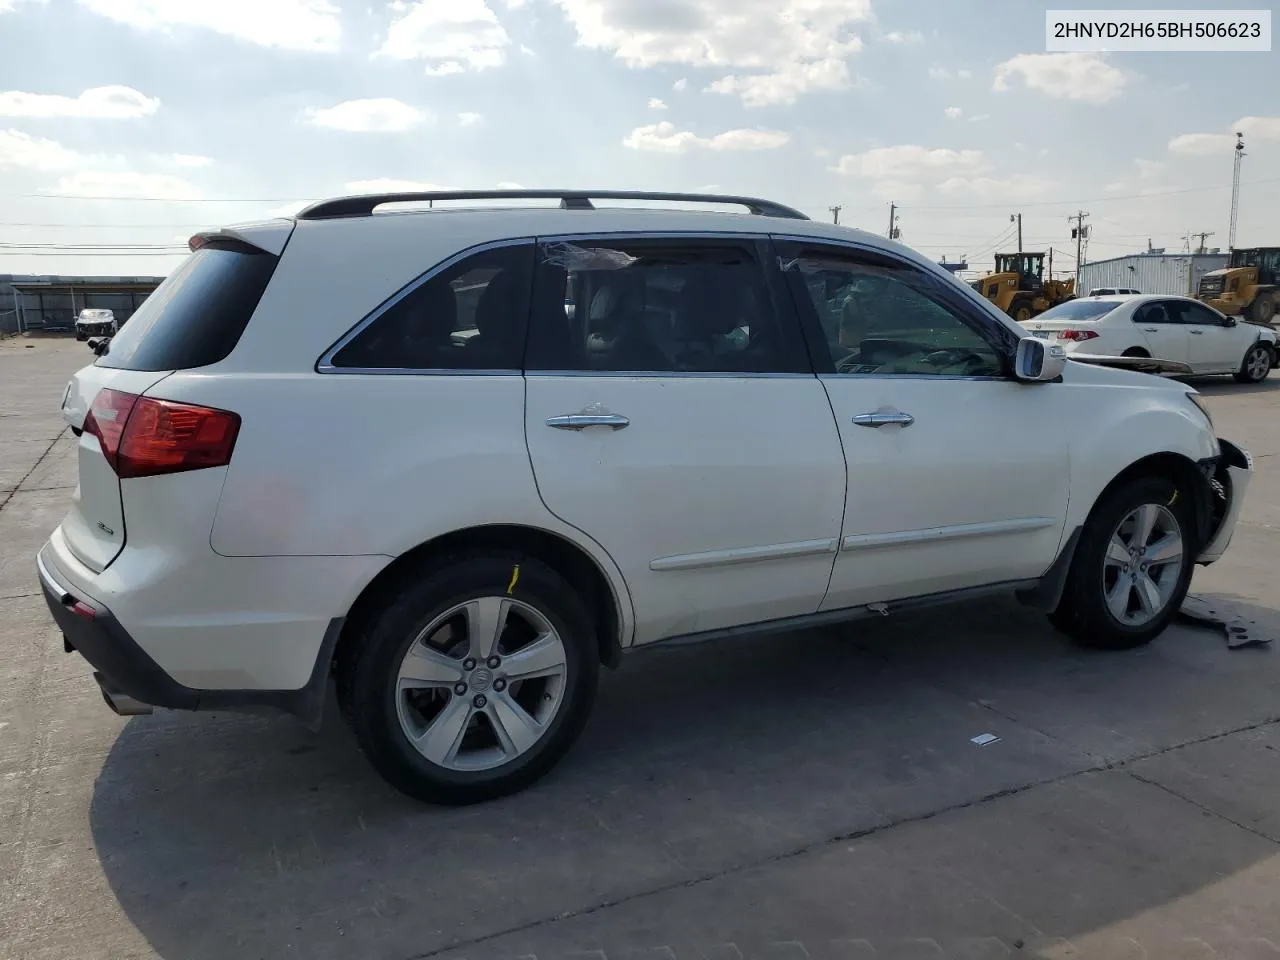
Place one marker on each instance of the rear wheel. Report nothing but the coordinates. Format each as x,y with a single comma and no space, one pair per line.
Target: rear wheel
1135,352
1263,309
1021,309
1131,568
1256,364
475,680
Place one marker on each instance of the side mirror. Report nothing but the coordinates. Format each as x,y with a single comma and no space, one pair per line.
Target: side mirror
1229,321
1037,361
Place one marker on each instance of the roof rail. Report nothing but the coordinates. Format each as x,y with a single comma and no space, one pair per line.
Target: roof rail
363,206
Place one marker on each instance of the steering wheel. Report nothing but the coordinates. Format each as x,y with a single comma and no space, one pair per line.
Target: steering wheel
948,355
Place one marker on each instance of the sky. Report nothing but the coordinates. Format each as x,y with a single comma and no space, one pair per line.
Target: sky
128,125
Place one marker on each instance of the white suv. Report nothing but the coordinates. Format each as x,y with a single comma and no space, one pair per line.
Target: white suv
378,446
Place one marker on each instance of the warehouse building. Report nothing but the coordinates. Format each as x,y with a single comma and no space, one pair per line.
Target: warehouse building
1156,272
52,303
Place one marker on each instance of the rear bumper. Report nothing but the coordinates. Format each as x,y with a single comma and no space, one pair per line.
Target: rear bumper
123,668
1230,480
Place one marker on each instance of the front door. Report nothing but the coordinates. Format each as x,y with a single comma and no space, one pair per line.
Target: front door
673,416
1212,347
958,475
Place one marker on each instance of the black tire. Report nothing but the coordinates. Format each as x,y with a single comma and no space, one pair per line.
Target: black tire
1022,309
367,678
82,336
1263,309
1256,365
1082,613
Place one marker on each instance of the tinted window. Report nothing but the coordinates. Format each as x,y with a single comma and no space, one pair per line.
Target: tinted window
883,320
196,316
1079,310
1193,313
638,306
470,316
1162,311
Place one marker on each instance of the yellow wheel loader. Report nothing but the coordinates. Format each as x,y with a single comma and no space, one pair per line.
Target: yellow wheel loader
1017,286
1248,287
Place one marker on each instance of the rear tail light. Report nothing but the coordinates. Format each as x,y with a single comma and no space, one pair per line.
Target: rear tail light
143,436
1078,336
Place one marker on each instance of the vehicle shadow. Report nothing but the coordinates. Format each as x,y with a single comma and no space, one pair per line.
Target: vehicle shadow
246,836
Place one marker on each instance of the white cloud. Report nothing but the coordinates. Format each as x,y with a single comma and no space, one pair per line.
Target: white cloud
908,162
665,138
1020,186
391,185
679,85
509,185
1086,77
451,37
98,103
187,160
821,152
1263,128
20,150
1149,169
1202,143
964,74
470,119
898,190
939,73
7,5
125,184
897,36
656,104
785,85
288,24
954,113
375,115
979,117
788,42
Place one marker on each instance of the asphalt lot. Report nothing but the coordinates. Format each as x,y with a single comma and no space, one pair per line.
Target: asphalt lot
806,796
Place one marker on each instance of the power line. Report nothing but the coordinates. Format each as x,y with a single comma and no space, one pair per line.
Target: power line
1104,199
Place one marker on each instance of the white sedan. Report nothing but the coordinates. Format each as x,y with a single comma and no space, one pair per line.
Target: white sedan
1166,328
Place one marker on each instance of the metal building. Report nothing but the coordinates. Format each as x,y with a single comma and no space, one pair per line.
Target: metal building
52,303
1166,273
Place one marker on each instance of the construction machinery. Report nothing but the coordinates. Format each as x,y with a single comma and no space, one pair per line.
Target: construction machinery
1018,287
1248,286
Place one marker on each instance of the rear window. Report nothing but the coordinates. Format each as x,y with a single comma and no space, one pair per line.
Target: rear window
197,315
1077,310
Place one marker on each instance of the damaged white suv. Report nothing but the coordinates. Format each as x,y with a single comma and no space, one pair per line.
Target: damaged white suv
456,459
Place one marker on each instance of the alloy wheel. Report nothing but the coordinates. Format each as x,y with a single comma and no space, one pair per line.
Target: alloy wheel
1143,564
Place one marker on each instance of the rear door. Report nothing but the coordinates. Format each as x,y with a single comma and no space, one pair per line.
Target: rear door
1160,324
674,418
194,318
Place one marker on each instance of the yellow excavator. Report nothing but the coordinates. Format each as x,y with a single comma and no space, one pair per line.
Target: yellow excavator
1017,286
1249,285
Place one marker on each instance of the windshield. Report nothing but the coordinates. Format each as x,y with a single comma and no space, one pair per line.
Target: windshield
1079,310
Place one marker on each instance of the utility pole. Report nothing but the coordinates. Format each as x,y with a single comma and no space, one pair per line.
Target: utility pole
1235,192
1018,218
1051,263
835,213
893,221
1203,235
1078,233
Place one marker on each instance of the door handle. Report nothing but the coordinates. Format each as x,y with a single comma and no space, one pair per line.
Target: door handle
580,421
883,419
1196,333
1150,330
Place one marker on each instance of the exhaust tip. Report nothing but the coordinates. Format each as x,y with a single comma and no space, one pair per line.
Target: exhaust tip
121,703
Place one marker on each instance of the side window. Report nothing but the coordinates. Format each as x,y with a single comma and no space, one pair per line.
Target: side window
885,320
470,316
1160,312
620,305
1198,314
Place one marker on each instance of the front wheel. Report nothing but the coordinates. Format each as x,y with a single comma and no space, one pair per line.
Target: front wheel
1131,569
1021,309
1263,309
1256,364
474,681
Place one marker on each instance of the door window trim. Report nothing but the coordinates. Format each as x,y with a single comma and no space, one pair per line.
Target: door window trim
325,363
986,327
761,249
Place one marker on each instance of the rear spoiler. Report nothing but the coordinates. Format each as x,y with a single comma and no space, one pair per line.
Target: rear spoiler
1141,364
270,236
